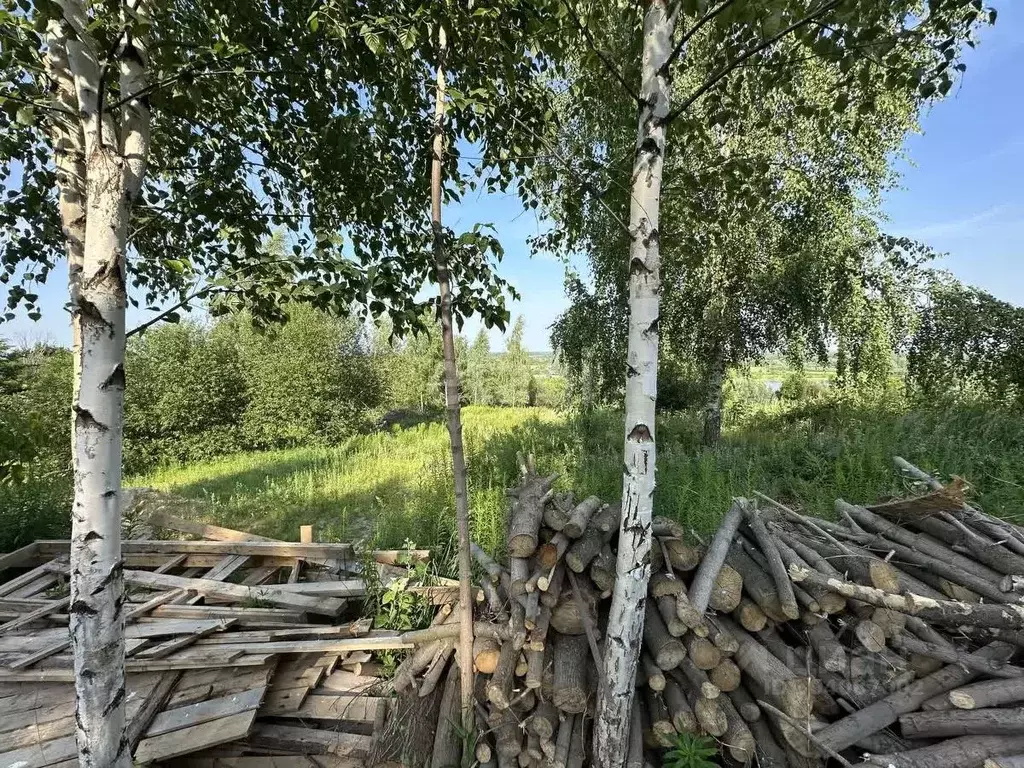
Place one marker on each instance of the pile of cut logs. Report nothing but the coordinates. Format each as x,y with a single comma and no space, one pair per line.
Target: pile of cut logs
885,636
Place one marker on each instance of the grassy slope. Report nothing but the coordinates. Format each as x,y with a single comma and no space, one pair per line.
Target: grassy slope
393,486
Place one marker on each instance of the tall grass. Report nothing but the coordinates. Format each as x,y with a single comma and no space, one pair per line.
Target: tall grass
393,486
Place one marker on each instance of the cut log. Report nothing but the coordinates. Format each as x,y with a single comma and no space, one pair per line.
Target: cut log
499,687
791,693
945,612
567,617
942,653
602,526
447,744
550,553
686,613
551,586
869,635
563,744
432,676
965,752
990,693
769,753
557,512
884,712
660,719
508,739
653,675
828,602
681,556
757,584
527,511
750,616
602,570
892,623
830,652
668,608
710,716
666,650
721,637
745,704
702,652
704,580
738,740
570,690
578,747
544,721
683,719
580,516
485,654
961,722
725,675
665,585
777,569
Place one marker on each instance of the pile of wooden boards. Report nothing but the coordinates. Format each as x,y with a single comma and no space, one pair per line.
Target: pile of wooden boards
887,638
241,651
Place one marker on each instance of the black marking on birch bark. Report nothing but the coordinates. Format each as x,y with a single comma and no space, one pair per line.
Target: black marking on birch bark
89,311
114,702
115,379
119,604
109,494
86,419
653,238
82,607
631,371
91,536
637,265
122,745
652,329
87,674
641,433
114,573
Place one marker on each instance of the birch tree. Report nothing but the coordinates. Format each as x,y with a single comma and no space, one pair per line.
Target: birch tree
751,47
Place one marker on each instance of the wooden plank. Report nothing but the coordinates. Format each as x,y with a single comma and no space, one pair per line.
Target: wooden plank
138,722
67,675
283,700
44,570
176,644
355,709
346,682
384,642
352,588
323,605
172,720
200,685
175,562
197,737
42,754
311,741
38,613
274,761
19,557
196,528
260,575
243,615
220,572
289,549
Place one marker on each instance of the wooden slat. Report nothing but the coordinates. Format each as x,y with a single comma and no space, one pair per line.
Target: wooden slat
184,717
38,613
356,709
283,700
274,761
260,575
244,615
19,557
196,528
311,741
323,605
290,549
388,641
67,675
193,739
176,644
18,582
351,588
154,702
175,562
42,754
220,572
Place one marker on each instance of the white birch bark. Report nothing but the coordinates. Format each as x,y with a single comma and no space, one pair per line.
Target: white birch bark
98,301
452,404
713,406
626,619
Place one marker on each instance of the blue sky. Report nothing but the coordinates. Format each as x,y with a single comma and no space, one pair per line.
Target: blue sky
962,192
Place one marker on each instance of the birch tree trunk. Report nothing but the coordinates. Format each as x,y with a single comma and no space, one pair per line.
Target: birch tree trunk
99,176
713,406
626,619
452,406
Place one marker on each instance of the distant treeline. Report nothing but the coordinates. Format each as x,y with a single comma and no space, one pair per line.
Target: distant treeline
196,391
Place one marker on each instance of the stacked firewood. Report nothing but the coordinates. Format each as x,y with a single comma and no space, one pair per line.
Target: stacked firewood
886,638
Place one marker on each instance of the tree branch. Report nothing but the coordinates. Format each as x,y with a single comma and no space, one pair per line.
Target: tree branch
609,65
710,15
720,74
